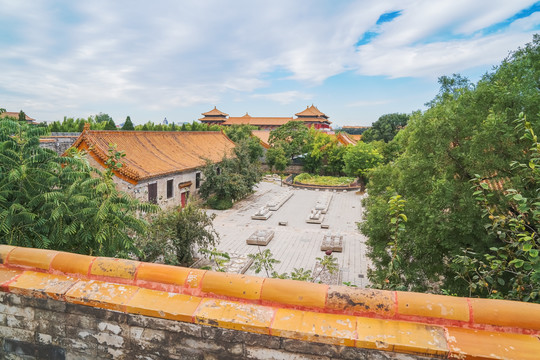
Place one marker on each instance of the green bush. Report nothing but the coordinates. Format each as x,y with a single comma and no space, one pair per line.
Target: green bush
219,204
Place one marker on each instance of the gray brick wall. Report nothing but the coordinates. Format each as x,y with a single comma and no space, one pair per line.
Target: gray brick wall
34,328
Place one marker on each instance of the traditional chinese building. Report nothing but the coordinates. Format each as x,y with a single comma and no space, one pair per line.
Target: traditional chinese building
311,116
161,167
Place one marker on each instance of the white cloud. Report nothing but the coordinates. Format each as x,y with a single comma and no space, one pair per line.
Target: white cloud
168,54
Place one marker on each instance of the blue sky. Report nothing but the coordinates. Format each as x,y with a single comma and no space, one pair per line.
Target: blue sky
355,60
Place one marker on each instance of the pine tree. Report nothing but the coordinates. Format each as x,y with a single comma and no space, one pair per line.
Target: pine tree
110,125
128,125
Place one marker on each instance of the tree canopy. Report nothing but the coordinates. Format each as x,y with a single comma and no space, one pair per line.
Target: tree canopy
386,127
53,202
468,130
128,125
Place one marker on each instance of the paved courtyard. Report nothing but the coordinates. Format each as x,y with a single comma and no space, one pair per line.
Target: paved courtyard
297,245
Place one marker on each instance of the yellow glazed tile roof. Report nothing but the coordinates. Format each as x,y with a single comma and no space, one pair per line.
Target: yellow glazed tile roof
154,153
397,322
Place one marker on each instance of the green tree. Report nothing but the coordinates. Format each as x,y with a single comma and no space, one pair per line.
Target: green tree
174,234
511,269
277,159
128,125
360,159
102,118
467,130
22,116
110,125
292,137
53,202
386,127
232,179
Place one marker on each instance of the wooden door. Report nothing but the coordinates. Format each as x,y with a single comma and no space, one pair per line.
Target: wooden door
183,199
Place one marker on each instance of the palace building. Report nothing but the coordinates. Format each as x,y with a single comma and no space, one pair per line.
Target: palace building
311,116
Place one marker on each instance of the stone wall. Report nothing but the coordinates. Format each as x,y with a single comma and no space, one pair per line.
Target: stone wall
58,305
140,190
34,328
58,142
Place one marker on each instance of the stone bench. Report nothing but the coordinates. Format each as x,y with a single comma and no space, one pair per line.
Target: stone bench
316,217
274,205
262,214
260,237
332,242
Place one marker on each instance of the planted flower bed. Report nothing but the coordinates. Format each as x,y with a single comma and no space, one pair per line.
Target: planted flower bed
309,179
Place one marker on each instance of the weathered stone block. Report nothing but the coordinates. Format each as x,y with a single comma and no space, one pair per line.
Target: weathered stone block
305,347
174,327
264,353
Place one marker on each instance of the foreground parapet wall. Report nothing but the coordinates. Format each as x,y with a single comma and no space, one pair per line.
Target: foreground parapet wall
282,317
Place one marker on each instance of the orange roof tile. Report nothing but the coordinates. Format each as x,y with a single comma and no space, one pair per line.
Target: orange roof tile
258,121
214,112
15,115
155,153
345,139
264,136
311,111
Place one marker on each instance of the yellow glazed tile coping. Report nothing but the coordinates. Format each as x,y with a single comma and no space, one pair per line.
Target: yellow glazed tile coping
72,263
506,313
397,321
296,293
4,252
235,315
101,294
166,274
38,284
401,336
163,305
318,327
355,300
7,275
436,306
37,258
119,268
194,278
233,285
478,344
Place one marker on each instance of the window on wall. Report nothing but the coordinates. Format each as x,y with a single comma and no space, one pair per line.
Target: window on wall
152,193
197,180
170,191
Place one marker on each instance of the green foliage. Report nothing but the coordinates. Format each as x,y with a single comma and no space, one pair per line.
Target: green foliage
110,125
219,203
177,232
511,269
219,258
360,159
128,125
306,178
292,137
53,202
392,278
102,118
385,128
264,260
239,132
276,158
467,130
232,179
22,116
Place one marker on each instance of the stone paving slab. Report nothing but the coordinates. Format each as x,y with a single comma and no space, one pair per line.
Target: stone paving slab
297,244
